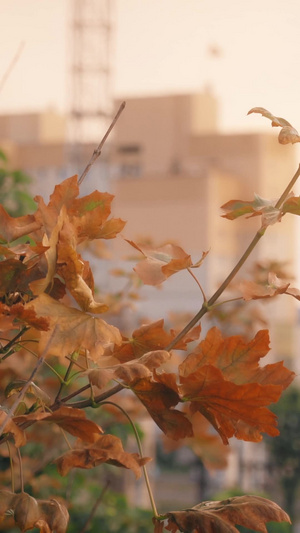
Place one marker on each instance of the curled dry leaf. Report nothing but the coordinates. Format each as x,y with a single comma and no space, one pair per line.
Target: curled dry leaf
106,449
129,372
162,262
288,134
252,512
48,515
14,227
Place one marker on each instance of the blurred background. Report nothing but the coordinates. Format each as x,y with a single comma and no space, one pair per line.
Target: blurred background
189,71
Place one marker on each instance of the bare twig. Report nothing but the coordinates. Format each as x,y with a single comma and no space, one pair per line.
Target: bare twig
94,508
23,391
98,150
11,65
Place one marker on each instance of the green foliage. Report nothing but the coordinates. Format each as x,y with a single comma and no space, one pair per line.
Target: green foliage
285,449
14,185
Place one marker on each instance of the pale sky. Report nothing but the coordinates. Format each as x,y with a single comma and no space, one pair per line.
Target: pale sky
160,47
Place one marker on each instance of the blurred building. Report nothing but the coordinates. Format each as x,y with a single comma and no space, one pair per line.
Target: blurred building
171,170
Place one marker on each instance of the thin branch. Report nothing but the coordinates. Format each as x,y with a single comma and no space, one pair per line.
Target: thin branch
94,508
98,399
98,150
12,65
21,469
207,305
23,391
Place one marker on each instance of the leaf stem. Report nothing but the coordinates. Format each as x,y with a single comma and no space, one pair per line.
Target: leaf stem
10,344
198,283
21,470
12,471
63,382
94,508
138,440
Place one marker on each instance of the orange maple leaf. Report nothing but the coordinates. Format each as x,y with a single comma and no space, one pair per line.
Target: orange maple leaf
150,337
159,400
237,359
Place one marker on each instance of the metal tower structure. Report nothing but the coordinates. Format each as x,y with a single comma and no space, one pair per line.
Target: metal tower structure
90,81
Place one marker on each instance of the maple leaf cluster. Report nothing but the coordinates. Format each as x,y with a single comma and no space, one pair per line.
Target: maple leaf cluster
49,312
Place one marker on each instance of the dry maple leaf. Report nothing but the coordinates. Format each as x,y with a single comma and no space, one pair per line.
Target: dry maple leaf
71,329
150,337
237,359
252,512
70,419
161,262
106,449
231,408
14,227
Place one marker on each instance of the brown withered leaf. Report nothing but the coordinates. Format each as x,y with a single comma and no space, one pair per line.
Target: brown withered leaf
252,512
107,449
129,372
25,315
39,286
159,400
11,427
53,518
287,134
49,516
71,329
6,502
73,270
10,271
161,262
233,410
26,511
63,196
69,419
14,227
